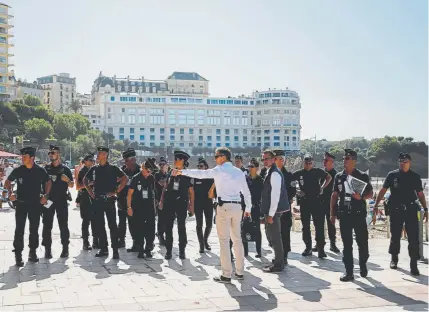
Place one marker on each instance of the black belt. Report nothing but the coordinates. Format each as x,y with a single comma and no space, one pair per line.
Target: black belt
231,202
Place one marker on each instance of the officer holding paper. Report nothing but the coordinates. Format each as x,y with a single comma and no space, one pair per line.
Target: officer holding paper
351,189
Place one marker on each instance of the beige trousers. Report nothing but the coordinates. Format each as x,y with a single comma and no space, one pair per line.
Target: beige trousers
228,225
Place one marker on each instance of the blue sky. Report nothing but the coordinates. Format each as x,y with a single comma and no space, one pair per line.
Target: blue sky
360,67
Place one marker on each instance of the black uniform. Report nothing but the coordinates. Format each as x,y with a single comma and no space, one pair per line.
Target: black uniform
255,187
122,206
161,218
325,200
87,213
30,183
286,218
58,196
352,215
403,210
176,198
203,206
310,182
105,181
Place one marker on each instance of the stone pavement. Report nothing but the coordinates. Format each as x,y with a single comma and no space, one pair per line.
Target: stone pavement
84,283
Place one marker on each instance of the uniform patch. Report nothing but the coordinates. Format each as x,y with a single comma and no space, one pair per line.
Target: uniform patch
139,187
340,187
20,180
395,183
53,178
301,180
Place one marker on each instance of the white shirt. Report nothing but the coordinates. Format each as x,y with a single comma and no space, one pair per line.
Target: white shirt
276,185
229,181
7,172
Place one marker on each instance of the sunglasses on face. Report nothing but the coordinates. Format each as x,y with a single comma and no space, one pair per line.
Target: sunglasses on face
266,159
217,156
51,153
251,166
162,164
178,158
347,158
405,161
201,166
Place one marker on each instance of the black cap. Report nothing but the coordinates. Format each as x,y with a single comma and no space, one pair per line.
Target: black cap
404,156
53,148
308,157
238,157
254,162
162,159
329,155
279,153
348,152
31,151
103,149
181,154
201,160
89,156
130,152
149,164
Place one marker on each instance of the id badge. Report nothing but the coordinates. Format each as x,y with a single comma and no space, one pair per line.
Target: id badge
176,186
129,181
347,200
145,194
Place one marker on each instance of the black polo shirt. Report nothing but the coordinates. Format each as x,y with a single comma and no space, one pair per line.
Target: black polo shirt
59,187
202,188
82,172
177,189
105,178
310,181
130,173
327,191
403,186
144,190
159,176
30,182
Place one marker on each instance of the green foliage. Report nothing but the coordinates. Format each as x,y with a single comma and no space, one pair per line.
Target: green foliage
70,125
75,106
118,145
38,129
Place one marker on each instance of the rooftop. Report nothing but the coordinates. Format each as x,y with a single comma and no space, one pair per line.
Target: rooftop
186,76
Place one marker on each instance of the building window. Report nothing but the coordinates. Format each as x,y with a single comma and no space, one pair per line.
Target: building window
293,131
236,139
161,138
152,138
226,131
132,137
172,131
218,131
112,99
218,138
121,130
172,138
141,137
245,138
209,138
161,130
131,130
152,130
276,138
191,131
182,131
121,137
227,138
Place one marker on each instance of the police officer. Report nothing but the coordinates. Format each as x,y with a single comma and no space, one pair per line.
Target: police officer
62,179
31,178
130,168
104,177
310,183
141,208
239,164
160,181
286,218
86,207
404,184
325,200
177,198
203,206
351,212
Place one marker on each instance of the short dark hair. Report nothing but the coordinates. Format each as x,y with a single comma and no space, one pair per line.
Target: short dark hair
269,152
224,151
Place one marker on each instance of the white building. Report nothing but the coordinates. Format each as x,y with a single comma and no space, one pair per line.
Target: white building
24,88
159,118
59,91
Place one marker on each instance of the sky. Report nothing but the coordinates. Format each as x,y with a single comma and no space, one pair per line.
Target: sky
360,67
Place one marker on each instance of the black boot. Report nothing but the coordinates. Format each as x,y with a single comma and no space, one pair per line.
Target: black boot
394,262
86,245
168,255
347,277
115,254
95,244
307,252
48,253
182,254
334,248
201,247
102,253
413,268
321,253
65,252
207,246
134,248
141,252
207,232
18,259
121,242
161,240
32,256
314,248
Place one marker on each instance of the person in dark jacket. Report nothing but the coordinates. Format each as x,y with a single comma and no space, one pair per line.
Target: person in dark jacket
256,184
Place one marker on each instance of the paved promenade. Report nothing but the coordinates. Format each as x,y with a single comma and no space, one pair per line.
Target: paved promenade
84,283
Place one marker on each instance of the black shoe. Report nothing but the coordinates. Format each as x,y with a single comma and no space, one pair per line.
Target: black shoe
18,260
134,248
201,248
272,269
413,268
65,252
148,254
168,256
286,263
239,277
347,277
86,245
207,246
102,253
222,279
182,255
32,256
48,253
141,254
334,248
321,254
363,270
161,240
314,248
258,255
121,243
95,245
307,252
393,265
115,254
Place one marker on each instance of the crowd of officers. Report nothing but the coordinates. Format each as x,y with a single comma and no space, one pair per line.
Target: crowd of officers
145,191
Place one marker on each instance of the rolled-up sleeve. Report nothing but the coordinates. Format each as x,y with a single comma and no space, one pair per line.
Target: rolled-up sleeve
276,184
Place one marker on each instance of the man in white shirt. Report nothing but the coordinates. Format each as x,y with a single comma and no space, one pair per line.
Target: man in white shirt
7,170
274,203
229,181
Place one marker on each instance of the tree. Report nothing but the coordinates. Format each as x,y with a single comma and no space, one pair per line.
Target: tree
64,126
33,101
38,129
107,137
118,145
75,106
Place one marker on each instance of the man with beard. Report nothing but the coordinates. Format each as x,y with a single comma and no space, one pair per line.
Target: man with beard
86,207
160,181
31,178
62,179
141,208
130,168
104,177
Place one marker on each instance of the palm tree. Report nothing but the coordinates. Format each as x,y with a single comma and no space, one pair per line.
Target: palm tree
75,106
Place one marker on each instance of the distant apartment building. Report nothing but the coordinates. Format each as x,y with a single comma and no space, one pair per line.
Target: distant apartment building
23,88
59,91
6,90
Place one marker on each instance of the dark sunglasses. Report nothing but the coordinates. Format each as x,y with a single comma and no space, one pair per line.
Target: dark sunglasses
347,158
251,166
201,166
265,159
179,158
162,164
217,156
404,161
51,153
308,162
